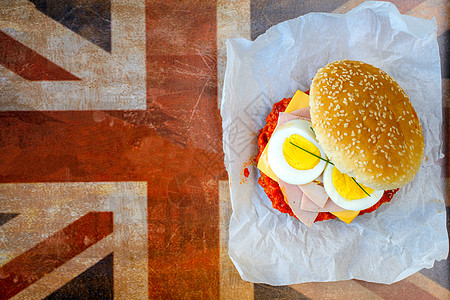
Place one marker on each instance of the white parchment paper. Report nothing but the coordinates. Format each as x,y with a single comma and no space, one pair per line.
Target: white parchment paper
388,245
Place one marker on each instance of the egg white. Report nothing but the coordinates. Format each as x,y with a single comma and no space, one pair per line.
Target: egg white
357,204
278,162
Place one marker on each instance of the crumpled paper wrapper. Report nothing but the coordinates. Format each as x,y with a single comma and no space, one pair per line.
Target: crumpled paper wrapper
386,246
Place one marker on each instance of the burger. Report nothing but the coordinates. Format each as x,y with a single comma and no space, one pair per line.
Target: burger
341,149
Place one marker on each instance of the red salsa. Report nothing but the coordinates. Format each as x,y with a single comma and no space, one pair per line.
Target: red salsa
246,172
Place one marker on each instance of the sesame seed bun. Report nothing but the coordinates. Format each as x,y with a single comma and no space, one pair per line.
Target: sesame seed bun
366,124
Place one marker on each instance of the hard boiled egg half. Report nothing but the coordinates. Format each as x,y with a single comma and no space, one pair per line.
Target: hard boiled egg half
346,192
292,153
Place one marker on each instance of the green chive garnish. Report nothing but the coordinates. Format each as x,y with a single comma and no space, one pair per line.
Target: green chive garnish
312,153
312,130
360,187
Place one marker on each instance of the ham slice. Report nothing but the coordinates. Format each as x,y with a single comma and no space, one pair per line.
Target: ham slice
319,179
303,113
285,117
309,205
306,217
315,192
293,195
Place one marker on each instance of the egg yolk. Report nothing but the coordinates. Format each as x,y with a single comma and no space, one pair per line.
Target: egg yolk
347,187
298,158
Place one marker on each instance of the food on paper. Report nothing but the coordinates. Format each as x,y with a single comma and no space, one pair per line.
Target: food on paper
363,143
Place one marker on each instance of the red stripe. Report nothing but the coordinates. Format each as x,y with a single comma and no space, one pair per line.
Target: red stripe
27,63
48,255
181,80
94,146
182,67
400,290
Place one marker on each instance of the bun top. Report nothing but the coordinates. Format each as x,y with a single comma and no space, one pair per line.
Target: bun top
366,124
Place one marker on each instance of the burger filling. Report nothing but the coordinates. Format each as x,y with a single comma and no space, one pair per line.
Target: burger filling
297,153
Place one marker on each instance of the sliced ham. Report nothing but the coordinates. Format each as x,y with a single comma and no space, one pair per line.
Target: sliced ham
286,117
319,179
315,192
306,217
293,195
302,113
309,205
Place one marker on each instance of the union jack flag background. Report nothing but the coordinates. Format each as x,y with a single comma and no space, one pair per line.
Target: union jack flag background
112,182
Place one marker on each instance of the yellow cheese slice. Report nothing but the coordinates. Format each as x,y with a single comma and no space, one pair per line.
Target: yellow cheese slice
263,165
346,216
299,100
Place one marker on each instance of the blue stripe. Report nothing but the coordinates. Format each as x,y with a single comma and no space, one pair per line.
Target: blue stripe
89,19
5,217
266,13
266,292
444,52
94,283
